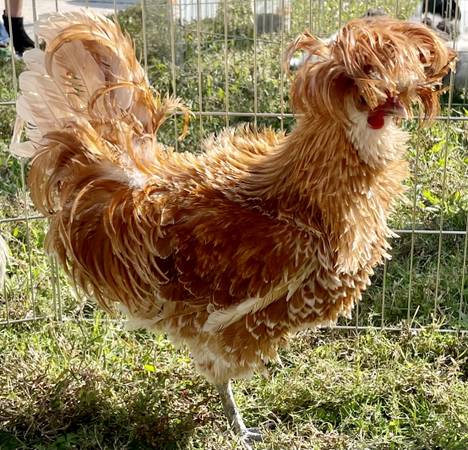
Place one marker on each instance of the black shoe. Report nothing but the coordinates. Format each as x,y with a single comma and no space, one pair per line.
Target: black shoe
21,41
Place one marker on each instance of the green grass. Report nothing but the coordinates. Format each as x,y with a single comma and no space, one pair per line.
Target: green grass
91,385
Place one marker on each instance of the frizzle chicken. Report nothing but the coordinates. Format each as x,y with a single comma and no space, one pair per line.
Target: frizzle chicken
263,234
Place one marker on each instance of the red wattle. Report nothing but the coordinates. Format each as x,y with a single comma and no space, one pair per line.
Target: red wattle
376,120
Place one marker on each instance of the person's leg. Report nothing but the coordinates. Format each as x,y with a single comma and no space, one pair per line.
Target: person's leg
21,41
15,7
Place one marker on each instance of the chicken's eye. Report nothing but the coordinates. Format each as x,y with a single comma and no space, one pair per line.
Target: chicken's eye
361,103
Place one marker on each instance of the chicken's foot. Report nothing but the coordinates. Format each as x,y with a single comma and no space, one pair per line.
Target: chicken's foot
234,416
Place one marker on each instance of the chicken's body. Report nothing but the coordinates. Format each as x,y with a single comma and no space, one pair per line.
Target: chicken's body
227,251
240,265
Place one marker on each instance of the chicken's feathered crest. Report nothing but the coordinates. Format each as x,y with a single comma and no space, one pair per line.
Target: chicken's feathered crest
376,57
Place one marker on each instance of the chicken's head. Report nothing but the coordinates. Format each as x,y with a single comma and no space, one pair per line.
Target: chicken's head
375,69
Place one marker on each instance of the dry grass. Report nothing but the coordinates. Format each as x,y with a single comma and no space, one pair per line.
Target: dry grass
91,385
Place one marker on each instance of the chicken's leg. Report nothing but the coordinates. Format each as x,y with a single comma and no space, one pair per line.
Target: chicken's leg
234,416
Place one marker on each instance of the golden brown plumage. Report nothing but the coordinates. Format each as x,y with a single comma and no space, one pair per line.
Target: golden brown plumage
263,234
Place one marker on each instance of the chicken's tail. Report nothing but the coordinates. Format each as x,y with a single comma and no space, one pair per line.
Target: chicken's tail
88,75
91,120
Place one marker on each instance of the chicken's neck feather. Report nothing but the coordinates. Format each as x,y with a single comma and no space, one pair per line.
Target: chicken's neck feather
315,162
316,175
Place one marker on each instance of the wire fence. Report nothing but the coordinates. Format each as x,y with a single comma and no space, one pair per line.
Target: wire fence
224,58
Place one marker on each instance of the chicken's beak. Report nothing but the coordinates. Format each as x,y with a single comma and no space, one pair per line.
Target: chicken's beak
392,107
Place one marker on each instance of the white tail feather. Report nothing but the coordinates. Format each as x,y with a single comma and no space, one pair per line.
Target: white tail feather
49,27
34,60
25,149
85,55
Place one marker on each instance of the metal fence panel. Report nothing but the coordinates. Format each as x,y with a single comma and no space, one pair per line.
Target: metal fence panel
191,26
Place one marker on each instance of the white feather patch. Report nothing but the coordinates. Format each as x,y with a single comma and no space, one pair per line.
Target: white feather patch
222,318
376,147
34,60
